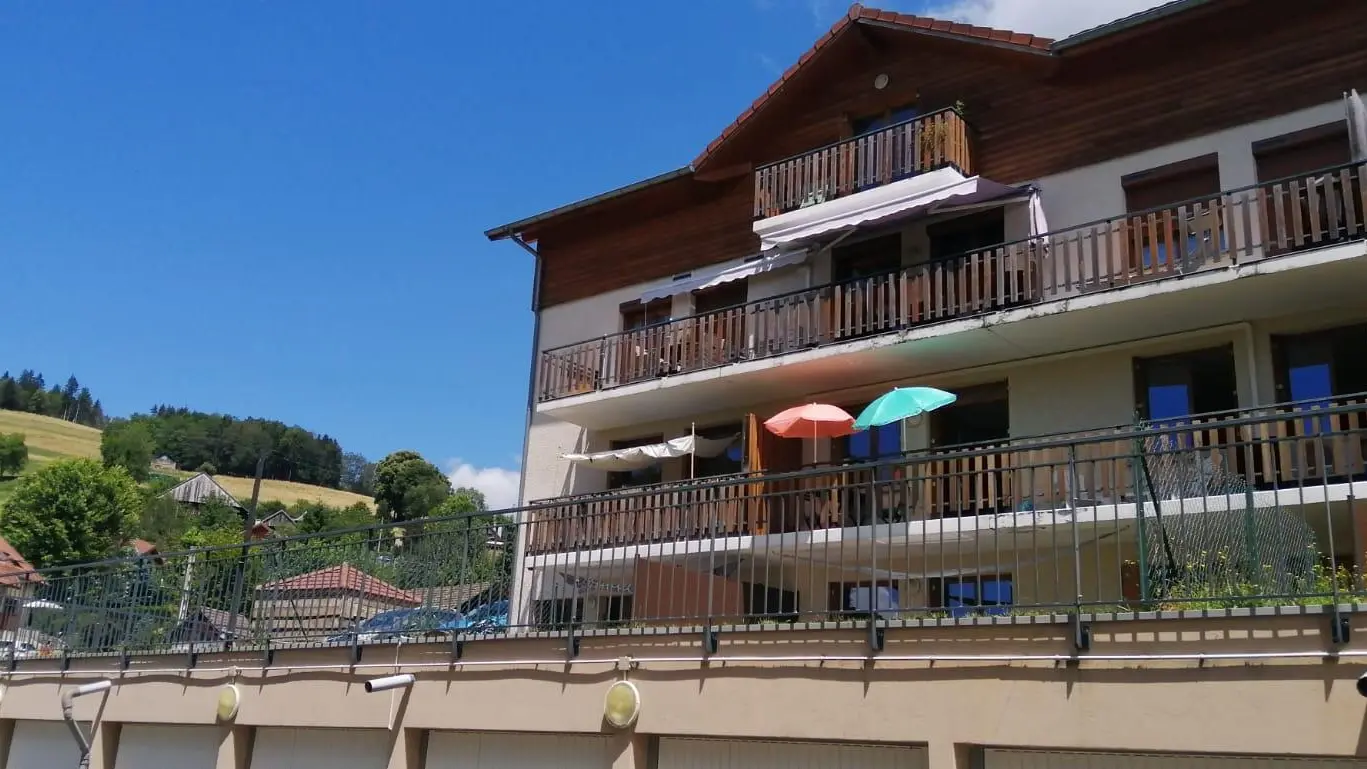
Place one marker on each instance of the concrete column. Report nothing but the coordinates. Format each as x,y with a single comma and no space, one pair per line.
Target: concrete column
945,754
104,745
235,747
632,751
408,749
6,739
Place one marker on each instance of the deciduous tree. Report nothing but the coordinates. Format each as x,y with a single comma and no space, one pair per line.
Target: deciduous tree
128,445
13,454
408,487
71,511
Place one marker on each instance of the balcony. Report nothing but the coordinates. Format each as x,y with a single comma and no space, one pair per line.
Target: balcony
1278,449
1218,233
1218,513
900,151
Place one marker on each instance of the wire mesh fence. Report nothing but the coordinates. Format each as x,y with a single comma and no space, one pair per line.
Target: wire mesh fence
1255,509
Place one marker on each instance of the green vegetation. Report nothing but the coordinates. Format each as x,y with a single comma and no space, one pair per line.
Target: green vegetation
128,445
71,511
13,454
408,487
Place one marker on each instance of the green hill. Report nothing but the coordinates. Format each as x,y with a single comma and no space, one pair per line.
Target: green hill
49,438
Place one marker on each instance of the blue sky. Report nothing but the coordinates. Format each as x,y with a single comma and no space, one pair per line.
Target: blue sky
265,209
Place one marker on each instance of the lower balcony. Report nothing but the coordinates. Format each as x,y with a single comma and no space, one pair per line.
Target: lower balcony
1226,235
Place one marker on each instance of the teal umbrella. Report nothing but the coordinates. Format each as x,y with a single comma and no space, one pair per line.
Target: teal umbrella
902,403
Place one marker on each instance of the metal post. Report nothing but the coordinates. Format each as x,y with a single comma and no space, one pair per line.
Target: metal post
248,524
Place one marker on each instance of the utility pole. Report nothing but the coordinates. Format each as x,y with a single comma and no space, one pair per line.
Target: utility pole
248,524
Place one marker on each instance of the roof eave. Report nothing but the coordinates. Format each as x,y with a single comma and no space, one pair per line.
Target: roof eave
1129,22
522,225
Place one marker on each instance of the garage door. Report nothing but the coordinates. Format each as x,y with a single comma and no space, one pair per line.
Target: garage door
507,750
745,754
42,745
320,749
1049,759
144,746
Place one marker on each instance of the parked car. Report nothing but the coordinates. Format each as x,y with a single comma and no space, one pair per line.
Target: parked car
403,625
491,617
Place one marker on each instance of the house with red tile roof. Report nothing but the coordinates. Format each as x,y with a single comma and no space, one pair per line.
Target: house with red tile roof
324,602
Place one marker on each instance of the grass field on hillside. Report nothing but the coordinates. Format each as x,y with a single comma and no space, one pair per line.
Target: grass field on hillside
48,439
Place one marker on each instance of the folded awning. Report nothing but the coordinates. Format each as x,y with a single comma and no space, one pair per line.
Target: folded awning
940,191
707,277
638,457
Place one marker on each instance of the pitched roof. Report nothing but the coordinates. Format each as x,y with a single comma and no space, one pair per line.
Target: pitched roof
858,14
221,620
15,570
342,577
198,488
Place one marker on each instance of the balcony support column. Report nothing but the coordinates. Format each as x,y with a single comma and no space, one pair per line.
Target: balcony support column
633,751
235,748
408,749
946,754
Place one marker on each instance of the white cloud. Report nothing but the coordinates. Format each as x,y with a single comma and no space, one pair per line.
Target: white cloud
498,484
1047,18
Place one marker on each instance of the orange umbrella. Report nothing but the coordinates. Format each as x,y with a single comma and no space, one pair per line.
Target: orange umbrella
814,420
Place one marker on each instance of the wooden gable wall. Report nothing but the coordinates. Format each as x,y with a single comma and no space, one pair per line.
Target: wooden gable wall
1031,116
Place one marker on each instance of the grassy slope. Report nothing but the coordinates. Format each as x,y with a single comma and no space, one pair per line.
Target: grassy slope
50,439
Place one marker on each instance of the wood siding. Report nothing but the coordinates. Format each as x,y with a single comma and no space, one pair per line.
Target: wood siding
1030,115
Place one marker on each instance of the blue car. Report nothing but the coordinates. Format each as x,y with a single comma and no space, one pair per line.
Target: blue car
488,618
404,625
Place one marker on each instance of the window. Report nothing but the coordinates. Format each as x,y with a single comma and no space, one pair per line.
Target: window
964,234
1301,152
637,315
1173,388
557,613
729,462
645,476
1319,366
860,597
875,256
1164,187
614,609
980,415
872,123
1296,155
723,297
983,594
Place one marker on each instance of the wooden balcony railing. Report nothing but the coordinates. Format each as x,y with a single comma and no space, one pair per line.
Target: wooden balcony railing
926,143
1277,447
1209,233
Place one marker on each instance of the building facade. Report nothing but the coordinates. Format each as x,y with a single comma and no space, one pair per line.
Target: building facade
1136,257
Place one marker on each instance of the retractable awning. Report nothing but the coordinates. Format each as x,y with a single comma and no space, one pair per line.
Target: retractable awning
707,277
638,457
942,191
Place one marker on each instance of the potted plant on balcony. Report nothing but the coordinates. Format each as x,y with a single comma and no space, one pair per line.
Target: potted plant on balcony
933,139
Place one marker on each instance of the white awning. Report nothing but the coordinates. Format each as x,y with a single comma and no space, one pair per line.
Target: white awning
638,457
934,192
717,274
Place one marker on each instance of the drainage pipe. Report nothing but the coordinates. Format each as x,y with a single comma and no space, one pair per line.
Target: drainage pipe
69,716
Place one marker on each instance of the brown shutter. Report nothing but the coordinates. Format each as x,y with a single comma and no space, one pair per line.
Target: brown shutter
1301,153
1160,188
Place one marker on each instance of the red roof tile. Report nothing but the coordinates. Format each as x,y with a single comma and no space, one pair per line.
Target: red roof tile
858,13
14,568
343,577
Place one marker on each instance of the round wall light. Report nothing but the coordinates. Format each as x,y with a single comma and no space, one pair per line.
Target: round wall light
229,700
881,81
622,705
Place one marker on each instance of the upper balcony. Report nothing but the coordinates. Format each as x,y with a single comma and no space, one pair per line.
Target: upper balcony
1080,268
899,151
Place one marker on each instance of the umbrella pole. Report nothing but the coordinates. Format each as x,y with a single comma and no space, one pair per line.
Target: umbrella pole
693,454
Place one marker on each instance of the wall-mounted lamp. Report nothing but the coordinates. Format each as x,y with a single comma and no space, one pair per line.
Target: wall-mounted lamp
622,705
389,682
229,701
94,687
880,81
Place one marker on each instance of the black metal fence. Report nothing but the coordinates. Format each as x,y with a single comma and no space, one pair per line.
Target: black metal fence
1254,509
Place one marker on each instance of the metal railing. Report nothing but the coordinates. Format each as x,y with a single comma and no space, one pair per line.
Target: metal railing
902,150
1234,227
1247,510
